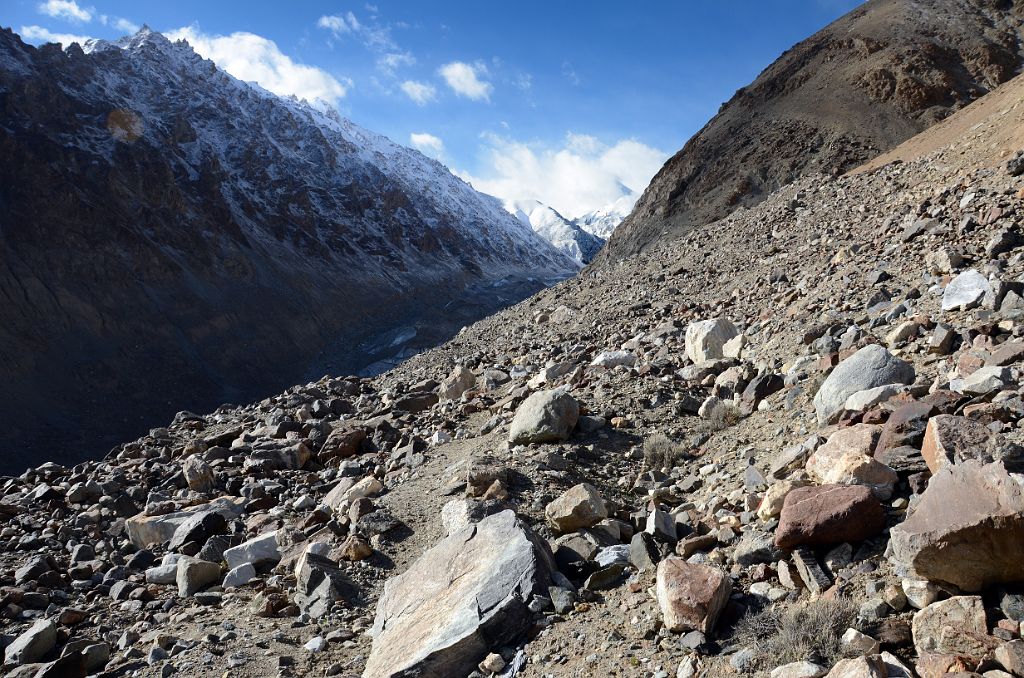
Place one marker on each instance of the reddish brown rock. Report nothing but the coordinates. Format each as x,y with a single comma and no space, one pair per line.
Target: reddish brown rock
342,443
829,514
905,427
967,529
691,596
949,439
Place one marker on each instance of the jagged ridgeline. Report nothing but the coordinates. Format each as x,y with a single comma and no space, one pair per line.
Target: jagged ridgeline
173,238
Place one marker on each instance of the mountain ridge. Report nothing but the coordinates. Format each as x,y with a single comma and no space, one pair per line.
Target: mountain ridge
863,84
211,229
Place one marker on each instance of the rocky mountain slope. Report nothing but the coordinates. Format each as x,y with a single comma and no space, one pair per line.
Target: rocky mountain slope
173,238
870,80
795,452
566,235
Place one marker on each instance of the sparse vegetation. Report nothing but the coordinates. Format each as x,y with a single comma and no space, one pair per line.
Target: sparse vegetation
810,632
660,451
722,417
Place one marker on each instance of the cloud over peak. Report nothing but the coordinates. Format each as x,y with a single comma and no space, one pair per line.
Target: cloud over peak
578,176
252,57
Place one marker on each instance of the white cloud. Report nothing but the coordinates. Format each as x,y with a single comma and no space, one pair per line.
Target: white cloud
252,57
420,92
580,175
375,36
465,80
392,61
38,35
120,23
65,9
427,144
339,23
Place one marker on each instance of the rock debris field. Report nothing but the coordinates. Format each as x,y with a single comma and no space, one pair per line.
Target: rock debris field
787,444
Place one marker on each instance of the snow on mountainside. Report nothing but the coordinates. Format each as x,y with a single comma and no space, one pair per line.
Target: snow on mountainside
602,222
564,234
225,240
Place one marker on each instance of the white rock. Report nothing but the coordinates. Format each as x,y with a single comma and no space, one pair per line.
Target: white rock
804,669
240,576
706,339
965,291
261,549
855,642
610,359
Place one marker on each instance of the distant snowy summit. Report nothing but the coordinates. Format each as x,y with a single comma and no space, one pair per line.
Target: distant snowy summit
580,238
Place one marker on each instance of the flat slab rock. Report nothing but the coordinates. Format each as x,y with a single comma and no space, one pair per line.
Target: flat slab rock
967,529
464,596
829,514
146,530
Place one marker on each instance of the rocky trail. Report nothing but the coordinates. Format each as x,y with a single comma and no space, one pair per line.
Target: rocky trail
787,444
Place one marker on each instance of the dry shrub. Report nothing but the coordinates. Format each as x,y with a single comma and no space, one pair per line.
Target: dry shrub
800,632
660,451
722,417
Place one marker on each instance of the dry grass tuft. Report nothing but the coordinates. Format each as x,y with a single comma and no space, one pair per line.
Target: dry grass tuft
660,452
806,632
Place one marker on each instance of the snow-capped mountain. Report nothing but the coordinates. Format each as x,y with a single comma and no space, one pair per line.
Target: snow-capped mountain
178,237
602,222
564,234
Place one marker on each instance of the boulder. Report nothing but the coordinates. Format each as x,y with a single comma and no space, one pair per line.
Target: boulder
580,506
965,291
870,367
705,339
342,443
801,669
967,529
468,593
950,439
319,583
146,530
828,514
962,614
458,382
691,596
347,490
544,417
239,576
258,550
194,575
870,666
858,439
198,474
610,359
33,644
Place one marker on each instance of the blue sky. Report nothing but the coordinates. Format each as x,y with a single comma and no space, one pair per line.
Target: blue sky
563,102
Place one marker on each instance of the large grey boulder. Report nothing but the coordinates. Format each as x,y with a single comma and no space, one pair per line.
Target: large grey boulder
544,417
32,645
870,367
465,595
705,339
967,529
